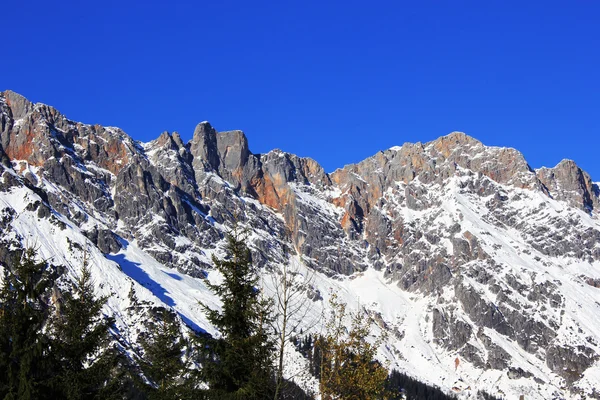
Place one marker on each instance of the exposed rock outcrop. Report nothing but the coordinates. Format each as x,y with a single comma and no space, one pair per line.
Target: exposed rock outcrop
494,248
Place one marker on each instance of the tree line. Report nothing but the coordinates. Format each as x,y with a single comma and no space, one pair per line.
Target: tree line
55,343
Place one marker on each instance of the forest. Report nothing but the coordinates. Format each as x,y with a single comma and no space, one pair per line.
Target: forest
56,343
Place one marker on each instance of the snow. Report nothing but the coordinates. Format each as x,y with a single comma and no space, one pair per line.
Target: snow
413,350
316,200
181,292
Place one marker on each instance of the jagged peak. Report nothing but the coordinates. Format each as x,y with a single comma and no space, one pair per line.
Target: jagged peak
274,153
278,153
19,104
456,137
177,138
565,163
202,129
165,139
232,147
164,135
204,142
10,93
20,107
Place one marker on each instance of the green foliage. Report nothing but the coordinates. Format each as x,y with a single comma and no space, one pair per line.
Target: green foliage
80,332
51,342
238,364
487,396
26,363
164,347
411,389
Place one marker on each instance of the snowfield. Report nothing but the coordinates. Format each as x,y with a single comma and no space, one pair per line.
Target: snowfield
409,347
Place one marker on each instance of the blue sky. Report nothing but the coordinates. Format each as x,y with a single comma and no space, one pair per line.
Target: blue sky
335,81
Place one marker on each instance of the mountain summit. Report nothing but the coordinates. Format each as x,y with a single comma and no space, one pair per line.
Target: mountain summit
459,251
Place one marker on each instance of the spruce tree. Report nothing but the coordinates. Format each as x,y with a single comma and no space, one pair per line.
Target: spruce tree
238,364
164,346
80,336
26,363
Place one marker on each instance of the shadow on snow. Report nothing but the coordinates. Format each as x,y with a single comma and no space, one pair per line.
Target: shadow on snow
174,276
135,272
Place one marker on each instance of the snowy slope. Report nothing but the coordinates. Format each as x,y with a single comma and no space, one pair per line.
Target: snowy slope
410,346
456,250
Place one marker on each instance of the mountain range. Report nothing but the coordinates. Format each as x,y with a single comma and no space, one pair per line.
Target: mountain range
483,273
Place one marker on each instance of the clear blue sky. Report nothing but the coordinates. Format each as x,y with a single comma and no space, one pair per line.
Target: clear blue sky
336,81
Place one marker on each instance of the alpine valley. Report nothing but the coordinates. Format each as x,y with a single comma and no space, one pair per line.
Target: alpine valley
483,273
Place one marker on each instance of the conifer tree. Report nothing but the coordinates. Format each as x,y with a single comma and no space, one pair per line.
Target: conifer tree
80,332
238,364
26,363
164,347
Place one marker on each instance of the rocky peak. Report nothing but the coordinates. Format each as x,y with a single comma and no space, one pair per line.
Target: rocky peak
453,141
503,165
203,148
291,168
177,139
165,140
419,166
18,104
566,181
469,252
436,161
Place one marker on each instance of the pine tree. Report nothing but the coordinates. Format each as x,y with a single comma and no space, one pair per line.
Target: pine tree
80,333
404,387
164,347
238,364
26,363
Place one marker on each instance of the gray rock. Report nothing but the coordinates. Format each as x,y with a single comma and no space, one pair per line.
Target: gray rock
233,152
203,147
106,240
570,362
178,200
568,182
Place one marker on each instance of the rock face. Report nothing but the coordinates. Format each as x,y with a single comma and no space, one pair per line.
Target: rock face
502,255
569,183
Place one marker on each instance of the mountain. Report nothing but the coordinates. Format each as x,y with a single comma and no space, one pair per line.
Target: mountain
483,273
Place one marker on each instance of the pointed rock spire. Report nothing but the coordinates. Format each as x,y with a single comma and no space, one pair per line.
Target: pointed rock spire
203,147
18,104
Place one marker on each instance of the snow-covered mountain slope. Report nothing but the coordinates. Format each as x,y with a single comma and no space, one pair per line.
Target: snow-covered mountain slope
457,250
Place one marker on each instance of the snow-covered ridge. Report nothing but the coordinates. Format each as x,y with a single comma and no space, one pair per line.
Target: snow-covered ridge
457,250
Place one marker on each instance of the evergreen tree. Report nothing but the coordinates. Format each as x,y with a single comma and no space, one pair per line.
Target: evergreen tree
409,388
80,332
164,347
238,364
26,363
